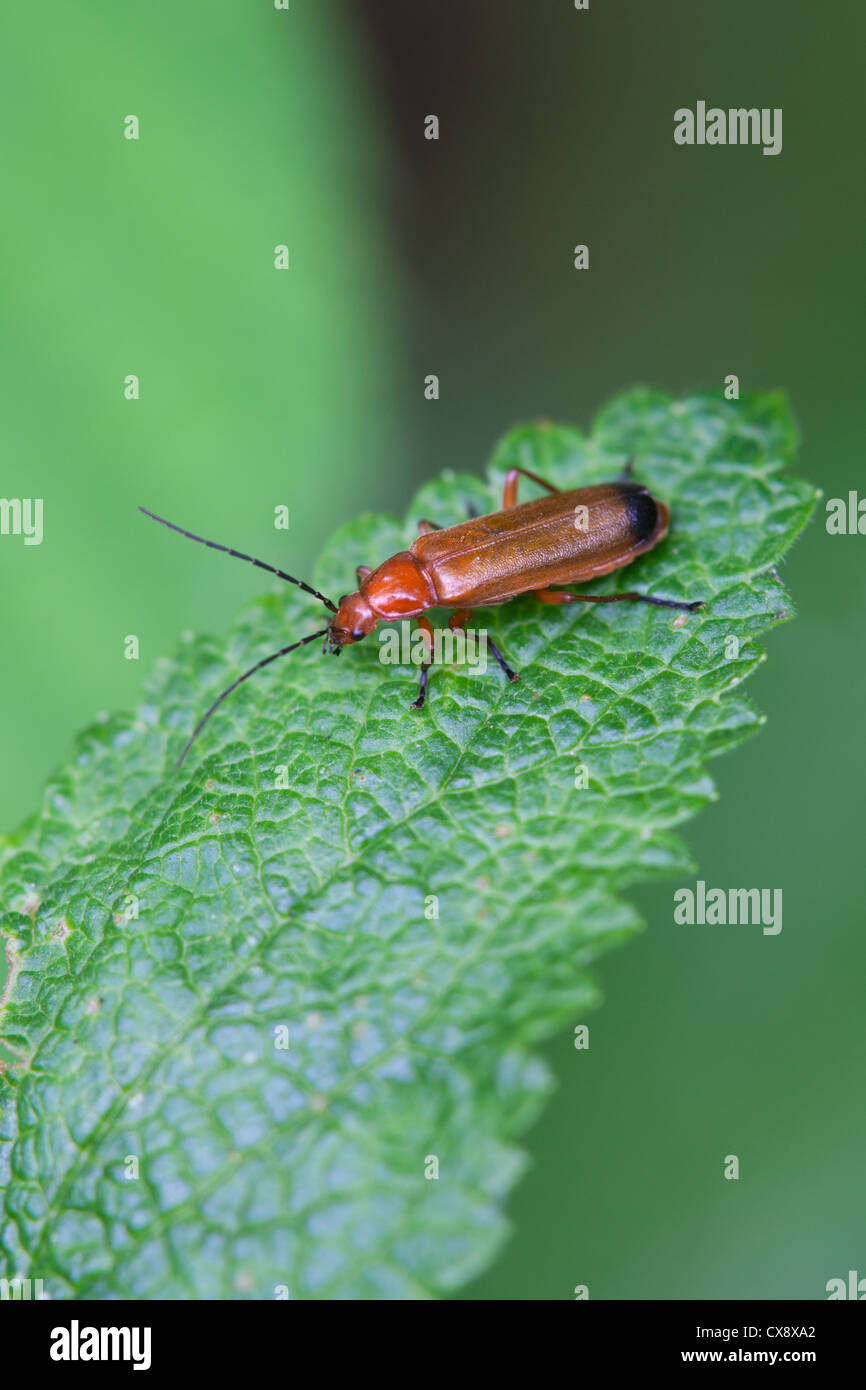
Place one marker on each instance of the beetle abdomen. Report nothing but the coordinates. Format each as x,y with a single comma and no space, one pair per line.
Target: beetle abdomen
566,538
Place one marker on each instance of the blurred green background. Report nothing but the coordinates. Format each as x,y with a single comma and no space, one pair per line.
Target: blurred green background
305,388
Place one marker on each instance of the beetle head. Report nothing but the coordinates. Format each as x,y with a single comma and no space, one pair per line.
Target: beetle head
353,620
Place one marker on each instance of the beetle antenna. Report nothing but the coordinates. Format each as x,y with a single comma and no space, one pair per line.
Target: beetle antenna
239,555
266,661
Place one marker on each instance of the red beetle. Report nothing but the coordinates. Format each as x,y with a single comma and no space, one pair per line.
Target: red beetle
564,538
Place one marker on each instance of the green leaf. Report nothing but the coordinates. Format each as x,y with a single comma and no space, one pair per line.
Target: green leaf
152,1038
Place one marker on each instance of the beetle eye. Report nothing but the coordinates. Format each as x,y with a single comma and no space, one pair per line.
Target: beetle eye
357,634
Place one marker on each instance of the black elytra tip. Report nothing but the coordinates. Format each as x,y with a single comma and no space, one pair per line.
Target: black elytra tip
641,510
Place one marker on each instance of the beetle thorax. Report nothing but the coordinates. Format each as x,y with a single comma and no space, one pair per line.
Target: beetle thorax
399,588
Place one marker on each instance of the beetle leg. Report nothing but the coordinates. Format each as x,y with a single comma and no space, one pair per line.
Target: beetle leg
501,662
627,471
427,634
509,490
565,596
362,572
459,619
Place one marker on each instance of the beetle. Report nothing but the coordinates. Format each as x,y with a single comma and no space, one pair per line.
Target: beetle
530,547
